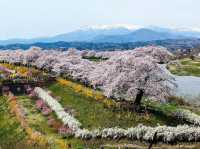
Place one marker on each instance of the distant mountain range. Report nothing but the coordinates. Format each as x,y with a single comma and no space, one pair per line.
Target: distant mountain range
171,44
113,34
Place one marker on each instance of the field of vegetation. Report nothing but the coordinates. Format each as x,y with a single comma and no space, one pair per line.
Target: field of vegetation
87,111
11,134
69,114
186,67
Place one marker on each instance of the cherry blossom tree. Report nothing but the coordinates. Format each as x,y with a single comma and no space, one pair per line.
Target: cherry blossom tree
160,54
131,78
31,55
75,67
72,51
126,75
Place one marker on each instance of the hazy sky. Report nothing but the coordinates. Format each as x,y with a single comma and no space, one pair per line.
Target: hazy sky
33,18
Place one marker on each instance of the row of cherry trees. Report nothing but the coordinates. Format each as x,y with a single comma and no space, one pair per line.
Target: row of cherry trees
126,75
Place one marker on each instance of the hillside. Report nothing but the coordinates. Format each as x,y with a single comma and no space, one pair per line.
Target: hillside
68,112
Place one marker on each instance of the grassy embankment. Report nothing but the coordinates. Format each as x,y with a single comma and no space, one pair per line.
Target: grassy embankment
38,122
92,110
11,134
91,113
188,67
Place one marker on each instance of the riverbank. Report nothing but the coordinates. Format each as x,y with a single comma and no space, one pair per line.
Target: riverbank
187,77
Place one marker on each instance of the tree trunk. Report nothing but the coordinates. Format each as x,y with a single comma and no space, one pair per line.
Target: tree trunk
137,102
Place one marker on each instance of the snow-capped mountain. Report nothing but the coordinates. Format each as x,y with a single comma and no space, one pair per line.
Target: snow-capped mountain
110,27
118,33
187,32
141,35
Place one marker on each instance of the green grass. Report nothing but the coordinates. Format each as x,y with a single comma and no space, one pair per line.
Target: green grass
188,68
39,122
93,114
11,134
34,117
195,62
95,59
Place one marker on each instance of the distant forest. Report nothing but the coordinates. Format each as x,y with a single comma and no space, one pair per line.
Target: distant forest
171,44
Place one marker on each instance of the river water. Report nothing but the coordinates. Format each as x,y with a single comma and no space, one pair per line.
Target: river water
188,87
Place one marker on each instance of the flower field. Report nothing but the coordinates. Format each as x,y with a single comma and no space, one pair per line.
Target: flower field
11,133
33,120
12,73
34,136
90,110
88,92
120,133
87,111
35,123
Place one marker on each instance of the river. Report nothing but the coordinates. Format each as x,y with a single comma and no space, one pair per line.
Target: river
188,87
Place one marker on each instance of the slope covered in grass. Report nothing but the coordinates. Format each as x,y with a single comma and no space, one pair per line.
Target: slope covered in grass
10,131
38,122
93,114
35,119
188,67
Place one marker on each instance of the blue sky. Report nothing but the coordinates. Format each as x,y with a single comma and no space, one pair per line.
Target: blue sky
38,18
